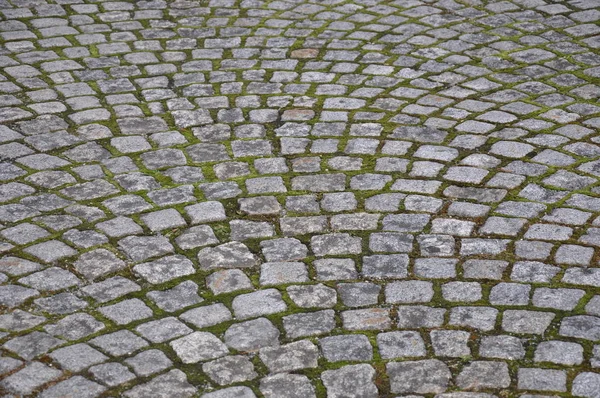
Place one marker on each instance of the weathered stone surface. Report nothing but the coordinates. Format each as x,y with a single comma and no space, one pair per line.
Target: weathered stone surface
163,329
286,385
77,357
228,255
190,186
208,315
312,296
586,384
506,347
140,248
111,374
229,370
199,346
119,343
165,269
560,352
226,281
450,343
418,316
31,377
409,292
110,289
350,380
367,319
309,324
429,376
581,326
126,311
400,345
259,303
542,379
277,273
293,356
75,326
482,318
32,345
335,244
481,375
516,321
172,383
354,347
98,263
252,335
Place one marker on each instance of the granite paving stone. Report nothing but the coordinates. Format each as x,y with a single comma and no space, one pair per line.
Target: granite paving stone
126,311
480,375
198,346
420,377
586,384
353,347
559,352
149,362
30,378
339,198
119,343
173,382
75,326
541,379
32,345
163,329
450,343
350,380
77,357
206,316
287,385
252,335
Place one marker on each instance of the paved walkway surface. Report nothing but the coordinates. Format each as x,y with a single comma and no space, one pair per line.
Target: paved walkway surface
298,199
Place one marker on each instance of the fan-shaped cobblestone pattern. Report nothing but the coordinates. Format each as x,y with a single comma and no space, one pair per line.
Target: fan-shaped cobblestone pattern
299,199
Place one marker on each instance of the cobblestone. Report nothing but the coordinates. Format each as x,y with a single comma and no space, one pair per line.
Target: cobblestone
356,380
372,198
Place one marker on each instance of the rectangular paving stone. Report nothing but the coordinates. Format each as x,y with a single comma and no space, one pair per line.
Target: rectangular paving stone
542,379
263,302
272,124
293,356
366,319
319,183
30,378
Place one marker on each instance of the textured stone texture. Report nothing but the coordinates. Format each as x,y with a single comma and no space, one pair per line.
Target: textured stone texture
299,198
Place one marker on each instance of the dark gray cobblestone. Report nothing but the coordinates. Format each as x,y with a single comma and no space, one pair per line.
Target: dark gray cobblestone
285,199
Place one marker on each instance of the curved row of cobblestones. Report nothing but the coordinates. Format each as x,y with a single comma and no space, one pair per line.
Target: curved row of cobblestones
299,199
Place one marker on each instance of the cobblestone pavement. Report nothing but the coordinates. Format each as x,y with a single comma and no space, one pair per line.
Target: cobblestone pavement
298,199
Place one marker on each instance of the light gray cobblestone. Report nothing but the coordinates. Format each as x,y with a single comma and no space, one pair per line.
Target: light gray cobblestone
192,188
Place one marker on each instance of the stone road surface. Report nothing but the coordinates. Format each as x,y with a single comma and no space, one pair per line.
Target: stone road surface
299,199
